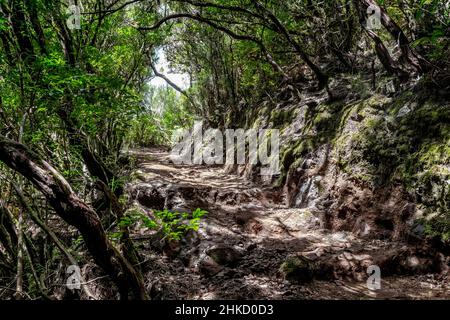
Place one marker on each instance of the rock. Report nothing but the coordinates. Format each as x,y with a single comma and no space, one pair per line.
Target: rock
347,255
311,103
209,267
338,264
150,196
224,255
339,236
309,191
298,269
410,261
357,117
313,255
418,231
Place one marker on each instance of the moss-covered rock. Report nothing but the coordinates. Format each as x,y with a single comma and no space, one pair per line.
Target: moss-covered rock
378,142
298,269
281,117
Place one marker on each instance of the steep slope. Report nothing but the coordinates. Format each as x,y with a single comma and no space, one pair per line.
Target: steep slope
375,164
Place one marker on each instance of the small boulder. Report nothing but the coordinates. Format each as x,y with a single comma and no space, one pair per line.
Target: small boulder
298,269
225,255
208,267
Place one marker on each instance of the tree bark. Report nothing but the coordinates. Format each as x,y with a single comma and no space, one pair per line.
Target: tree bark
409,55
75,212
20,247
382,52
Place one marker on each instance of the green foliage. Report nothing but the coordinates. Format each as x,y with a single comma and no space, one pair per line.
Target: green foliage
165,111
135,216
78,241
63,92
438,227
174,225
117,183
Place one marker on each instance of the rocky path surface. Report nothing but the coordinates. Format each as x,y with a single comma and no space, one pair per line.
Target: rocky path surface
251,246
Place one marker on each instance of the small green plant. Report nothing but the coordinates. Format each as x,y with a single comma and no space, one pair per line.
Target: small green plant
174,225
117,183
78,241
135,216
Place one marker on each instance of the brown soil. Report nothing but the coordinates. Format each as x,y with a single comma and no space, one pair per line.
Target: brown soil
248,234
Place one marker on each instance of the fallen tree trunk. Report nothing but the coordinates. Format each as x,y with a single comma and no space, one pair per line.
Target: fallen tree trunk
75,212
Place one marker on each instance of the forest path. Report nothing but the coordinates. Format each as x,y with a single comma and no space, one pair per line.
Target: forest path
245,238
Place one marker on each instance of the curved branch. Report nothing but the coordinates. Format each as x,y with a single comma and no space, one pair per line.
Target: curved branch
75,212
206,4
321,76
227,31
412,57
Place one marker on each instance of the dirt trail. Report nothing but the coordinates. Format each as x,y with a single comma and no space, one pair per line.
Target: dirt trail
246,237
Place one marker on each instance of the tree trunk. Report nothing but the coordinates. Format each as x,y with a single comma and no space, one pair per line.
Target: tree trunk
20,246
382,52
75,212
409,55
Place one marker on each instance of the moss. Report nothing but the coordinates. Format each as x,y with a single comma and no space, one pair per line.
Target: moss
378,147
281,117
323,118
359,85
304,147
434,154
288,158
298,269
413,149
323,124
427,174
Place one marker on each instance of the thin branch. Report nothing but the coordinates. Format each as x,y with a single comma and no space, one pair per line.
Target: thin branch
227,31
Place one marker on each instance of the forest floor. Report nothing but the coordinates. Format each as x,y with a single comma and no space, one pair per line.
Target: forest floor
249,232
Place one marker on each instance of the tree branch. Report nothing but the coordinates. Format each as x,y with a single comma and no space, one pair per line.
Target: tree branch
75,212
